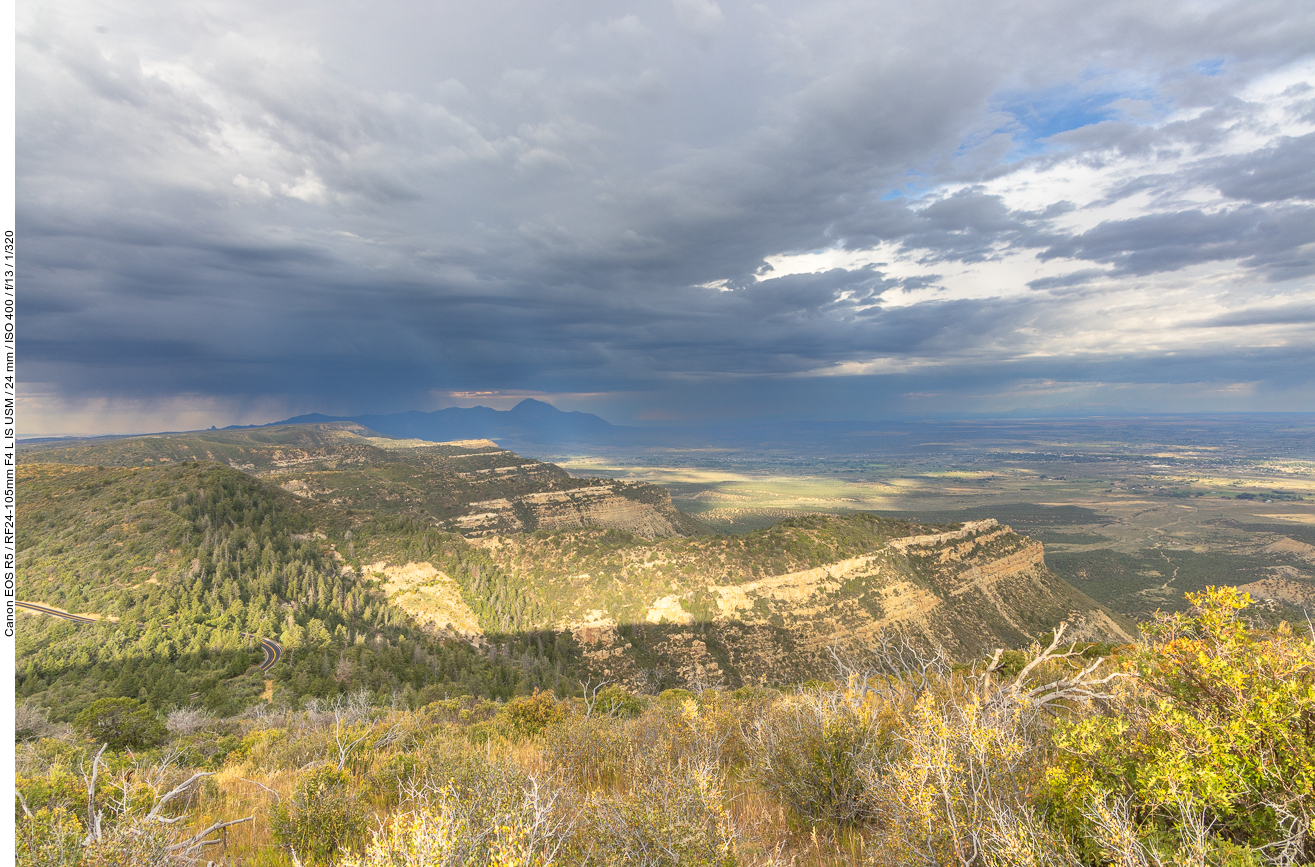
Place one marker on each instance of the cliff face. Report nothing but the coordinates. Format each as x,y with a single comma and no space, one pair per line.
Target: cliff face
643,510
720,610
472,487
968,591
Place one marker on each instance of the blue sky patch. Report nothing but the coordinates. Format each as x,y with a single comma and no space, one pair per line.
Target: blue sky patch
1038,115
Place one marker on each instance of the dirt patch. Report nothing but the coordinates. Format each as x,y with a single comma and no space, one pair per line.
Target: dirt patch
429,596
1291,546
1282,588
668,609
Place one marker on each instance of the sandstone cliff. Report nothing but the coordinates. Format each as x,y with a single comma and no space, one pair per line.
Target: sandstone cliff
968,590
769,608
472,487
639,509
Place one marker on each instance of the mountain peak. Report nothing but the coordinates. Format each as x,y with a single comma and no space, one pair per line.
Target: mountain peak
538,407
528,421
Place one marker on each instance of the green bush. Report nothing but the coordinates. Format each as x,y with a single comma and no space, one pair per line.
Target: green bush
813,751
322,816
529,715
122,723
60,787
618,702
1217,732
675,696
391,775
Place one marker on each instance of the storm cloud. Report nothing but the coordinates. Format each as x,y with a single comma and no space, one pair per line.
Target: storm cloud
232,212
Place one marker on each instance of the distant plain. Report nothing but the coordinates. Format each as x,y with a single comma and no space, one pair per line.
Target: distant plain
1134,511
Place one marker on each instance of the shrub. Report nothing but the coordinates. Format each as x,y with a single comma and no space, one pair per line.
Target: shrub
186,720
322,816
484,783
122,723
811,751
208,750
32,722
956,788
616,701
675,696
135,843
57,788
48,838
446,830
1217,732
391,776
677,820
588,751
529,715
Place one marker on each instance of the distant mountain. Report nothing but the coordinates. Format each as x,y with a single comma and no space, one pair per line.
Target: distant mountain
528,421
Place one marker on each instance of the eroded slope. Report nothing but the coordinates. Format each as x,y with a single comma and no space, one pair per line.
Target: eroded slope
473,487
767,607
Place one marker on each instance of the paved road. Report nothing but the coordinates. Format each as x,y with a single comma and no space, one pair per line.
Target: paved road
55,612
273,650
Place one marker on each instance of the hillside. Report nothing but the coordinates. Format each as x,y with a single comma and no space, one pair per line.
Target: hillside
187,567
473,487
190,564
768,606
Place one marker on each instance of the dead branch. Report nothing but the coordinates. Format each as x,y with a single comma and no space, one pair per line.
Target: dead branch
276,795
591,696
93,815
195,843
175,792
1083,685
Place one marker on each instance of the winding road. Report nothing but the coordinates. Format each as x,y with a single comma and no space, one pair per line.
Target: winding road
273,650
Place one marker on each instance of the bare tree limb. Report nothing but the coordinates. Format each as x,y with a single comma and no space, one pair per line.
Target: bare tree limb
276,795
591,696
175,792
194,844
93,816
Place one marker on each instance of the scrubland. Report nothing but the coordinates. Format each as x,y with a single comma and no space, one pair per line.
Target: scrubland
1195,746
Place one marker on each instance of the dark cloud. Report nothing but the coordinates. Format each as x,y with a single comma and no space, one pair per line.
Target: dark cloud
350,214
1076,278
1295,315
1273,240
1276,174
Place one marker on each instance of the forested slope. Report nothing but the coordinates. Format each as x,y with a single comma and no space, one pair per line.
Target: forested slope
472,487
189,565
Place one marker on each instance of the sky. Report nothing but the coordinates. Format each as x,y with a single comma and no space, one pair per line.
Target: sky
662,212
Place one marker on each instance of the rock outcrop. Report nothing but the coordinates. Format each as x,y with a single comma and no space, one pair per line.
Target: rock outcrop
639,509
470,486
968,591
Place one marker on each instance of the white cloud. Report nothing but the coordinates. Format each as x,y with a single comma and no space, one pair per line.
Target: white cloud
702,18
255,187
309,188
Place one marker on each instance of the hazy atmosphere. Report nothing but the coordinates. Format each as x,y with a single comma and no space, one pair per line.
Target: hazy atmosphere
236,212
